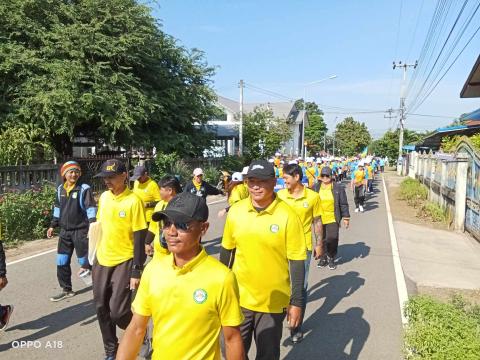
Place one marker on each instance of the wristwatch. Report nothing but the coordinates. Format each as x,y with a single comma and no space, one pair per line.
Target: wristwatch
138,267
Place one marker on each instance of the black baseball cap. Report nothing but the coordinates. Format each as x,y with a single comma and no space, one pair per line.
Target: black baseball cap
326,171
184,207
111,167
261,169
139,171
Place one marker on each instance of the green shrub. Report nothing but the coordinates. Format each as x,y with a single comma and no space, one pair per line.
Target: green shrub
170,164
413,192
439,330
211,175
26,216
432,211
233,164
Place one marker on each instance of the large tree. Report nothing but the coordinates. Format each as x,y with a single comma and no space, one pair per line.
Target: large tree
103,69
316,129
387,145
351,136
263,134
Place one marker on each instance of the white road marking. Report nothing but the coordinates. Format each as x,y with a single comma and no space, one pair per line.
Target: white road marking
397,264
55,249
31,257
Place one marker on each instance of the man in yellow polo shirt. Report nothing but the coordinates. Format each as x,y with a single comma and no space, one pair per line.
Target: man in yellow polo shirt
146,189
120,253
264,243
154,243
189,295
306,204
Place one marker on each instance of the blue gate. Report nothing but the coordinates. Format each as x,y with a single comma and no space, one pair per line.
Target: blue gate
472,213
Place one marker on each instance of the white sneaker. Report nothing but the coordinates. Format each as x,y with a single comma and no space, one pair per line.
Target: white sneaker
361,208
356,210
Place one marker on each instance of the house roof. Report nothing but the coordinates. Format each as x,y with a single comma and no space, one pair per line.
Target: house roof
231,105
279,109
471,89
434,140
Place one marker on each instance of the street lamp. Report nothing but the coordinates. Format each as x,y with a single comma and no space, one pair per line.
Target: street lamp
304,148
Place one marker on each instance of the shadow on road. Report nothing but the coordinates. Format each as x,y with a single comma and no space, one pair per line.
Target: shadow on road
212,247
328,335
337,336
54,322
349,252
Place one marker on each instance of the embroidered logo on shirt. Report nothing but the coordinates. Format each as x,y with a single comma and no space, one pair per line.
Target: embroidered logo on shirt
122,214
200,296
305,205
274,228
74,195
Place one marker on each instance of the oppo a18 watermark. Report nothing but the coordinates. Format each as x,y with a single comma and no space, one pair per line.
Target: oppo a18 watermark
37,344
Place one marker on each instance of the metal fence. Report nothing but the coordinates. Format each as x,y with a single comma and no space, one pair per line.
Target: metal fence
472,212
451,175
21,178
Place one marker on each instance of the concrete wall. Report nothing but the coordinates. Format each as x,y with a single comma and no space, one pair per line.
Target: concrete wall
445,176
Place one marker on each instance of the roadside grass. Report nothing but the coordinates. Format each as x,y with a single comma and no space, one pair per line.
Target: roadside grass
416,194
441,330
432,211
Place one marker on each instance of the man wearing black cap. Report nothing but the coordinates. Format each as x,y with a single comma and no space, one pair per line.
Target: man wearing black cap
120,253
146,189
264,243
189,295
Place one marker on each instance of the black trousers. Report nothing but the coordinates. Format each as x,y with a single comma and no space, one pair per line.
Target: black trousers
68,241
267,330
112,298
330,239
359,195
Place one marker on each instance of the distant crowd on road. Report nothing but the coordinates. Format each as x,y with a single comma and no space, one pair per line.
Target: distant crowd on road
141,250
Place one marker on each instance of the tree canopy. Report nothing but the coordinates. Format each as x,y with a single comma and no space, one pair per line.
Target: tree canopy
316,129
101,69
387,145
263,134
351,136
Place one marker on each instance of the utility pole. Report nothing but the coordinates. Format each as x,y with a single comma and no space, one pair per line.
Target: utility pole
240,129
334,135
390,117
402,109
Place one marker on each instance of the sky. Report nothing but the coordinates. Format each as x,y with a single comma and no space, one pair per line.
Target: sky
282,45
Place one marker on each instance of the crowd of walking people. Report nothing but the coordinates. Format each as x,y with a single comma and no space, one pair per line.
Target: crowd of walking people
142,250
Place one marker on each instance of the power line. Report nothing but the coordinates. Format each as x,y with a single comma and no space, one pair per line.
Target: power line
432,37
424,85
267,92
433,116
445,73
415,30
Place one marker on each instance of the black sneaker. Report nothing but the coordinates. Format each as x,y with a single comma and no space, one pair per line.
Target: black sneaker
322,262
331,263
63,295
7,312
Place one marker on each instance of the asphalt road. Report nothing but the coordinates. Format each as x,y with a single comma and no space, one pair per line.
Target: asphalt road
353,311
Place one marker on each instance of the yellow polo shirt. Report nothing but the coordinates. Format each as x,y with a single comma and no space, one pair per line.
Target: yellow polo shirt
155,227
120,217
239,192
327,204
307,207
188,306
148,192
264,242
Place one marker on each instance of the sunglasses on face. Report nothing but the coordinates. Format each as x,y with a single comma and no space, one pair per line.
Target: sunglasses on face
327,176
180,226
